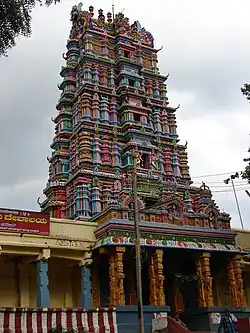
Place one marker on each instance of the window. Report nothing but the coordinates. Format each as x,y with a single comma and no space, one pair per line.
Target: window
137,118
131,83
145,161
126,54
149,202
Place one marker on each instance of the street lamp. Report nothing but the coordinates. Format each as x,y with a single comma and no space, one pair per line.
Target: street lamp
226,181
136,159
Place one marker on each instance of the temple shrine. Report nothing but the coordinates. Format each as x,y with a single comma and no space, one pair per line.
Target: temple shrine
113,105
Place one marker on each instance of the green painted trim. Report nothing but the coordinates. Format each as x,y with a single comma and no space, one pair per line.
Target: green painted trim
154,236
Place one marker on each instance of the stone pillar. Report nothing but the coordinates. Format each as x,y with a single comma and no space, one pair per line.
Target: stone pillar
205,290
156,277
235,280
116,276
86,295
43,296
95,283
23,282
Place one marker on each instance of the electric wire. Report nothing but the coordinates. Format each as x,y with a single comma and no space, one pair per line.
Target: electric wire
216,174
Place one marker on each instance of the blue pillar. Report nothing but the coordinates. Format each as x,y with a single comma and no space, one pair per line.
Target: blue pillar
86,296
43,297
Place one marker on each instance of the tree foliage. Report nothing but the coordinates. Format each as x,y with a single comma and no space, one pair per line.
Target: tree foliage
246,91
15,19
246,173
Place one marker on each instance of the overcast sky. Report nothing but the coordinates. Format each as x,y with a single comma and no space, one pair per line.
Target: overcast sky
206,51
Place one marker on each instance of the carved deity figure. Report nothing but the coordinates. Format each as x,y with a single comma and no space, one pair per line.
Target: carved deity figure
212,219
121,23
138,155
153,160
173,212
131,211
74,14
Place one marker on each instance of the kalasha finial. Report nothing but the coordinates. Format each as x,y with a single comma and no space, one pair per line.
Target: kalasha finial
109,17
91,10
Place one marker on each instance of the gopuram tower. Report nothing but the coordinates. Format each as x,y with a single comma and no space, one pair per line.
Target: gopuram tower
113,104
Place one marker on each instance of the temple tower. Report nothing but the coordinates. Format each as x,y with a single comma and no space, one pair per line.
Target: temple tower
113,100
113,103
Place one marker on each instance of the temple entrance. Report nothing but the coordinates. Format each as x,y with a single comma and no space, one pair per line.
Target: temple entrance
180,284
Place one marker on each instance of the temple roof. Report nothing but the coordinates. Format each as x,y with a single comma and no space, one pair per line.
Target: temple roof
112,25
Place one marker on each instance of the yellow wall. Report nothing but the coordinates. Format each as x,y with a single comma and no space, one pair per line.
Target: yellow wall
18,283
243,239
65,248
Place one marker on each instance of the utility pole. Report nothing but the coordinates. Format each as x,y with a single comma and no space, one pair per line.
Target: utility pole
226,181
137,246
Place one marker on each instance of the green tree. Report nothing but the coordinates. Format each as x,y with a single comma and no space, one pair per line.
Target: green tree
15,19
245,90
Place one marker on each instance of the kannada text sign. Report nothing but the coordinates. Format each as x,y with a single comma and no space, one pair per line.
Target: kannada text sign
24,222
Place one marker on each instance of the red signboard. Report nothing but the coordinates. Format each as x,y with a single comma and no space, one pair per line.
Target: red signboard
24,222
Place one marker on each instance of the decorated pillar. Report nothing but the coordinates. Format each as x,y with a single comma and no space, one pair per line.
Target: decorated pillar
163,91
235,280
176,164
156,89
96,203
96,74
167,161
86,295
96,107
105,116
88,46
113,110
86,106
157,121
111,78
116,156
164,122
156,277
85,201
149,88
184,165
104,77
172,124
106,193
85,147
87,73
106,154
205,290
97,157
116,276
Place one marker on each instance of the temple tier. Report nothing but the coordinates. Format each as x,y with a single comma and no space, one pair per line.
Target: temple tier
114,102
